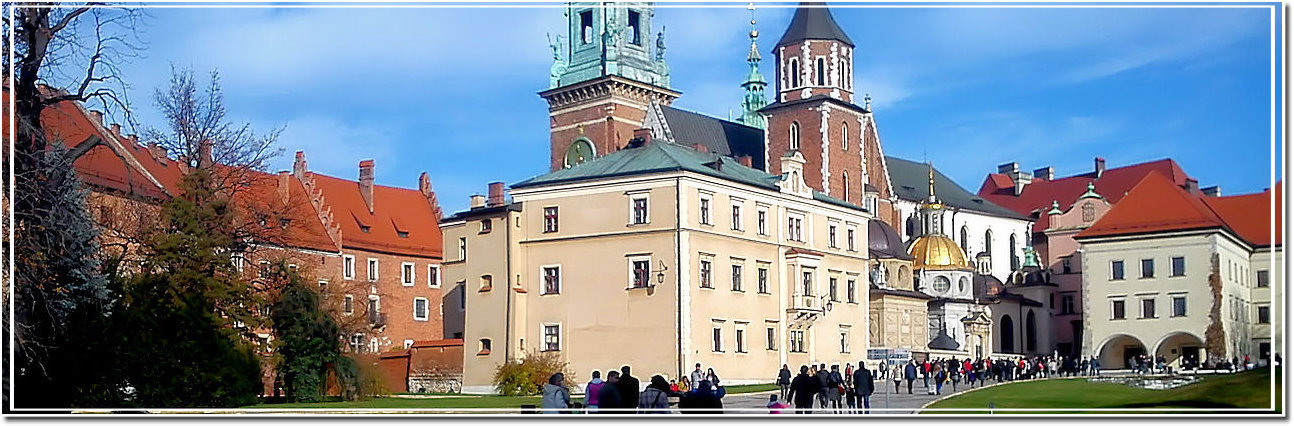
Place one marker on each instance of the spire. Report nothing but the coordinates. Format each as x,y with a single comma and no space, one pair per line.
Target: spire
813,21
754,84
1055,208
931,167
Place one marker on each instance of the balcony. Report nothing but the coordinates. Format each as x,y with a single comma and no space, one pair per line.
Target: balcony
377,320
804,310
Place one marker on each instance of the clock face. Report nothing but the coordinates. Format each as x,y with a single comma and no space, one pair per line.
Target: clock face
942,284
579,152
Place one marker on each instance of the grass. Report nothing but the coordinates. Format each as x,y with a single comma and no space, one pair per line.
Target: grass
764,387
1251,389
415,403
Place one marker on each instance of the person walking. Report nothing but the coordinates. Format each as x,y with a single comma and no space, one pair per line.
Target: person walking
834,383
851,396
696,377
803,387
784,381
824,380
775,406
941,374
1096,366
609,394
864,386
628,388
896,374
655,399
882,371
591,391
910,373
925,372
556,398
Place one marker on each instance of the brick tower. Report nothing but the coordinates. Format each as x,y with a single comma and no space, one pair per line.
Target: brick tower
813,113
604,80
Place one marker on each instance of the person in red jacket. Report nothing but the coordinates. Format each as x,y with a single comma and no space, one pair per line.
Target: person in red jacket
925,373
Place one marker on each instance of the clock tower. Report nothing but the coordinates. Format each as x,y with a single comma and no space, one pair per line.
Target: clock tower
607,70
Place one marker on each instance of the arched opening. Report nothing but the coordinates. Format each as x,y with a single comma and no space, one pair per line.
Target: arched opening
795,136
1007,335
1181,350
844,177
1116,350
988,242
1030,332
1015,260
965,241
822,72
795,73
905,278
844,136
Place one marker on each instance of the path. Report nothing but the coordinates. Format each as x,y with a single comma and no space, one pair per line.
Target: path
884,401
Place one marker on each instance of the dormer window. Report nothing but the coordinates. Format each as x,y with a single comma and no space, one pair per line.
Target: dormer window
283,223
365,228
486,226
402,234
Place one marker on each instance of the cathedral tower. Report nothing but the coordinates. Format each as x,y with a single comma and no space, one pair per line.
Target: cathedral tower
606,72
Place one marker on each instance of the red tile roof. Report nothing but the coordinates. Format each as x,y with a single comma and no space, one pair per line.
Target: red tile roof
437,343
1038,195
1157,204
395,210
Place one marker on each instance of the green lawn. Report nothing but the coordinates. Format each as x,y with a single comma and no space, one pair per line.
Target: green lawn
1250,389
416,403
766,387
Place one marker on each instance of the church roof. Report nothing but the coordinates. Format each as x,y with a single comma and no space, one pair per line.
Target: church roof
717,135
937,252
813,21
910,180
883,242
944,341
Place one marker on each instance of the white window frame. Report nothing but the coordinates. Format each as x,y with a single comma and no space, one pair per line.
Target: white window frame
348,267
426,309
1123,270
543,283
795,224
1172,266
238,261
832,228
851,238
844,340
770,337
739,338
646,278
348,301
557,217
407,274
462,248
738,216
716,338
373,265
737,269
704,273
544,336
761,220
706,216
433,276
408,343
762,287
633,199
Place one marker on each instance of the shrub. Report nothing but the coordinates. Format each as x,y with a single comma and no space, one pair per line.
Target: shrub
527,376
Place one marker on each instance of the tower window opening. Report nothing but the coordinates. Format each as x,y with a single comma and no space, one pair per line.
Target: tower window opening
635,36
586,27
795,136
822,72
795,73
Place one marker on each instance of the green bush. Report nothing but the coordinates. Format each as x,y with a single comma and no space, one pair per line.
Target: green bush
527,376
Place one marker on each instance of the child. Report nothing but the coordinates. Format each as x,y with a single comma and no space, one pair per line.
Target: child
774,406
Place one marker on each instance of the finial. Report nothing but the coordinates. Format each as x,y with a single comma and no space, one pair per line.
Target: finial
931,168
1055,208
1091,192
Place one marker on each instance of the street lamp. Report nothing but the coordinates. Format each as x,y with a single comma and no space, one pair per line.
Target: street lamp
660,273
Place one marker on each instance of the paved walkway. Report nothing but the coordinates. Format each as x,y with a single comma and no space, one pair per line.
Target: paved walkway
884,401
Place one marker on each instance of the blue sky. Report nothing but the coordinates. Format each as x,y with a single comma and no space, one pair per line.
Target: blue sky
452,91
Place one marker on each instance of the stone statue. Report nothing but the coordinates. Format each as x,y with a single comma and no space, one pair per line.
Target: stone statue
660,44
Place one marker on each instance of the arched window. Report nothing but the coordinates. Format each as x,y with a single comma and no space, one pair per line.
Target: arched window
965,240
842,81
1015,260
844,136
795,136
795,73
1030,333
1089,212
1008,335
822,72
844,190
988,242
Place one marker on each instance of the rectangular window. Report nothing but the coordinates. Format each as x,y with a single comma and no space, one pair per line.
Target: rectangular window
372,269
851,290
1067,265
1264,315
761,221
1179,306
806,286
831,288
849,239
237,260
717,334
640,210
486,226
762,280
831,236
844,341
406,274
770,338
640,270
1066,304
736,217
487,283
323,286
1179,266
552,337
1116,270
462,248
1262,278
795,228
796,341
374,310
736,278
705,274
263,269
550,219
1147,308
1147,268
552,280
1117,310
420,309
741,341
348,267
483,347
433,276
705,211
348,304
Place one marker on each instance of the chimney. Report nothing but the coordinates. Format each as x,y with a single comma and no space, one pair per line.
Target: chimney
1192,186
1212,191
424,184
98,116
1100,167
496,195
700,148
642,137
204,153
478,201
1020,178
284,189
158,152
366,183
1008,168
1045,173
299,165
745,160
116,130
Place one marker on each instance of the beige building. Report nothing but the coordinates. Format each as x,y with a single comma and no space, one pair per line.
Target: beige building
660,257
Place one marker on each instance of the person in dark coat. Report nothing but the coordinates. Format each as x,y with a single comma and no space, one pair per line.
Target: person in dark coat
628,389
824,380
864,385
703,400
910,373
784,380
609,397
802,390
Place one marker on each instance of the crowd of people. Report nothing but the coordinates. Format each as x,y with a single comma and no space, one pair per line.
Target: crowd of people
935,374
828,387
697,393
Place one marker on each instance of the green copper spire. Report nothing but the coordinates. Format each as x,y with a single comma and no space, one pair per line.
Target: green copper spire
1055,208
609,38
1030,257
1091,192
754,83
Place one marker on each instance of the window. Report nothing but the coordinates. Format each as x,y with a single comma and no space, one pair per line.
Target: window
736,217
844,144
348,267
486,226
844,341
795,136
741,340
807,282
1147,268
705,274
433,276
552,280
237,260
795,228
849,239
639,210
635,36
419,309
356,342
822,71
1117,310
851,290
263,269
406,274
770,337
483,347
797,341
640,271
844,186
736,278
762,279
831,235
1147,308
717,334
408,343
348,304
1089,212
374,309
831,288
1179,306
761,221
1262,278
1015,260
550,219
586,27
1067,264
487,283
988,243
323,286
1264,315
795,75
1179,266
705,211
1066,304
1116,270
372,269
552,337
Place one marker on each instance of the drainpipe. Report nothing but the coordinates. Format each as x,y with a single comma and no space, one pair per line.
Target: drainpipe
508,292
678,276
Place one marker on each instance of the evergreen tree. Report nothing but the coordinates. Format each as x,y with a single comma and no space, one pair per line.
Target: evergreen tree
306,338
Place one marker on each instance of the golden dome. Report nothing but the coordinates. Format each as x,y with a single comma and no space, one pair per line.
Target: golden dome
937,252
